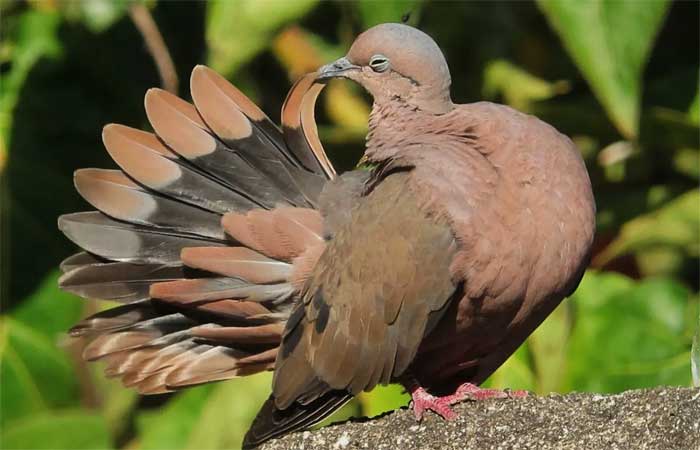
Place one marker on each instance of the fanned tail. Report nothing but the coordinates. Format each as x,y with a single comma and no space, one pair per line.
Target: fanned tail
198,236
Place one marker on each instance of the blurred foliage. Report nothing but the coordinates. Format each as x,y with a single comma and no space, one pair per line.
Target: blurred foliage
621,79
237,31
610,41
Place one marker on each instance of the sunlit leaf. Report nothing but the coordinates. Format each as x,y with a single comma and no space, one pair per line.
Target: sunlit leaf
228,412
97,15
32,37
617,207
115,401
382,399
610,41
237,31
301,52
518,87
170,426
694,110
376,12
347,411
35,375
515,373
57,430
676,224
345,107
549,349
628,335
49,310
660,261
687,162
212,417
695,352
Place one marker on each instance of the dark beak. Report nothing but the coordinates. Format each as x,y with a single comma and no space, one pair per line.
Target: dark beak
335,69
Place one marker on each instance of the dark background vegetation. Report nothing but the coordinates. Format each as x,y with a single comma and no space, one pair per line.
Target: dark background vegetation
619,77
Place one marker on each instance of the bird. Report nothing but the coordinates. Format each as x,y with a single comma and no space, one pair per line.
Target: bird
235,247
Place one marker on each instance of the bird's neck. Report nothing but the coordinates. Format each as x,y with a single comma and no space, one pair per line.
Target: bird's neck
396,126
391,125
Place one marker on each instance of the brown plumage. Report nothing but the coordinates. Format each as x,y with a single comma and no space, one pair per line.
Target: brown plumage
201,302
476,222
239,249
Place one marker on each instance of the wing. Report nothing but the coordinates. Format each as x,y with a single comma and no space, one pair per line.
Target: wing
381,282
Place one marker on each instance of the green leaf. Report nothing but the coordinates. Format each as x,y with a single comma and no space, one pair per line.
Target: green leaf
619,206
518,87
694,110
33,36
382,399
170,426
57,430
349,410
35,375
97,15
237,31
549,349
375,12
49,310
695,352
674,225
687,162
628,335
668,129
610,41
515,373
228,413
212,417
116,401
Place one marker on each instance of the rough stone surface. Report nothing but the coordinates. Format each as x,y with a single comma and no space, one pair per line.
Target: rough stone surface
660,418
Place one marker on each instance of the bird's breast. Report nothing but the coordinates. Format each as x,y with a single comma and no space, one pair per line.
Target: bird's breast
523,216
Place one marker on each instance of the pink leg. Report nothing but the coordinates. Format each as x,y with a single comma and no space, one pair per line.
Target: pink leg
423,401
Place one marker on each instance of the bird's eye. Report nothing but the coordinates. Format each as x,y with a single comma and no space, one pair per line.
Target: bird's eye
379,63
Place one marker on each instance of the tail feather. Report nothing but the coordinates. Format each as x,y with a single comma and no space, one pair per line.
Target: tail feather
114,319
238,262
115,195
116,281
199,236
271,422
256,116
299,126
198,290
120,241
145,159
230,312
178,124
262,334
79,259
217,104
157,331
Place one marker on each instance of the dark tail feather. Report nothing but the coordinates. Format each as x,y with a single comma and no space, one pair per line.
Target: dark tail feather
271,422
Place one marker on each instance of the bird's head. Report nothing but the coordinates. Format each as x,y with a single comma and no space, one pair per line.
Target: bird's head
393,61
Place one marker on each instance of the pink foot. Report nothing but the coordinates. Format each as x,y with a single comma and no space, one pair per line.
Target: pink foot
423,401
469,391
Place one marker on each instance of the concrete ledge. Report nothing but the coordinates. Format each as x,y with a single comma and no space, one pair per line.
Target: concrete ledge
659,418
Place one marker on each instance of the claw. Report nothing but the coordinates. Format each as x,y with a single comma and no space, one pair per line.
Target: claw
423,401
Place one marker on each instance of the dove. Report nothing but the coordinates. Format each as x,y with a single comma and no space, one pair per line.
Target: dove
235,247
